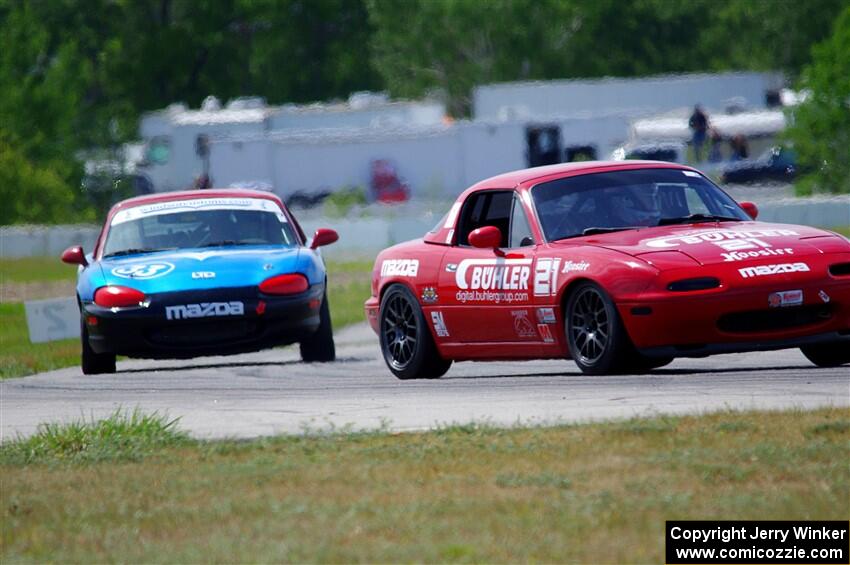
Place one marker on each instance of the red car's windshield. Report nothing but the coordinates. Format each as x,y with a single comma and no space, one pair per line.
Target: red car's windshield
609,201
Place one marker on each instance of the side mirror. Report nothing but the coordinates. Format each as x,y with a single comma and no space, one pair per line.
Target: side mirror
487,237
323,236
751,209
74,256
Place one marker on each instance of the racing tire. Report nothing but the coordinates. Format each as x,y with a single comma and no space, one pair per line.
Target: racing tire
319,347
406,342
598,342
93,363
827,354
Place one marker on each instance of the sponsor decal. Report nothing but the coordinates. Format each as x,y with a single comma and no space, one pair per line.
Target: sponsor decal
522,325
546,277
493,274
572,266
785,298
493,280
439,324
737,245
203,275
268,267
545,333
400,268
451,267
741,255
429,295
779,268
204,310
143,271
824,296
546,315
195,204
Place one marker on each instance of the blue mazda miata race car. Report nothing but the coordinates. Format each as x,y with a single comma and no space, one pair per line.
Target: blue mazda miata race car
213,272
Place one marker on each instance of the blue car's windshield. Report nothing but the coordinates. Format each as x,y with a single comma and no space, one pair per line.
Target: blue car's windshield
214,223
611,201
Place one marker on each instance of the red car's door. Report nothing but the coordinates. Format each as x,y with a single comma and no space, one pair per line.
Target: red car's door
487,297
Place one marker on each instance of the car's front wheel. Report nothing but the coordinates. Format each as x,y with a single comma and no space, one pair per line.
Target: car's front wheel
827,354
319,347
90,362
406,342
598,341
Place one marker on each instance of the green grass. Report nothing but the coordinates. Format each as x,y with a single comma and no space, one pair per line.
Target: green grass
596,493
348,289
124,436
36,269
845,231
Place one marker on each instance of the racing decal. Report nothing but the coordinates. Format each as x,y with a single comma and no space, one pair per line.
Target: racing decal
400,268
785,298
546,277
572,266
268,267
737,244
451,267
143,271
203,275
493,280
546,315
545,333
824,296
197,204
779,268
429,295
522,325
204,310
439,324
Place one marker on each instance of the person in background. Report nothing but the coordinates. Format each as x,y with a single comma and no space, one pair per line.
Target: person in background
699,126
740,147
202,182
716,140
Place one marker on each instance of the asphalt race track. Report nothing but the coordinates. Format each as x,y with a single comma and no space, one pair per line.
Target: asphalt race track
271,392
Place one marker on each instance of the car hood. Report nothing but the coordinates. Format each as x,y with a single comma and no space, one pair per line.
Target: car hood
195,269
713,243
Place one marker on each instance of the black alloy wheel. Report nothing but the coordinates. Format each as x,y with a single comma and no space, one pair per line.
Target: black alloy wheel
406,342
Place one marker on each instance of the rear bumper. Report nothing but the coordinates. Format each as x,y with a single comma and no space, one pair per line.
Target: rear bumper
695,326
161,331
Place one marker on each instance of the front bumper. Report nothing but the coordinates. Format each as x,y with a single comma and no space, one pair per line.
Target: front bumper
183,324
699,324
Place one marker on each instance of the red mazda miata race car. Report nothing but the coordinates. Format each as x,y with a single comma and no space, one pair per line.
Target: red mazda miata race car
620,266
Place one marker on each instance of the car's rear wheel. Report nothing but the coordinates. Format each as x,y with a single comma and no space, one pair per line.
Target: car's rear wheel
319,347
597,339
406,342
94,363
827,354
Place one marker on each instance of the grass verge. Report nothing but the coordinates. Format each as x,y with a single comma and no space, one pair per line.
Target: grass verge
582,493
348,289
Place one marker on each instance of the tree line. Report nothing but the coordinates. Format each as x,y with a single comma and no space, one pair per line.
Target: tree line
76,74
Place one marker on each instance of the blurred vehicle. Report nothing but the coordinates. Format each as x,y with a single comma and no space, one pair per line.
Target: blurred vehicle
671,151
775,164
193,273
622,266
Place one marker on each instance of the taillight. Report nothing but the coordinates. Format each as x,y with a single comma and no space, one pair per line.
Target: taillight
118,297
285,284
